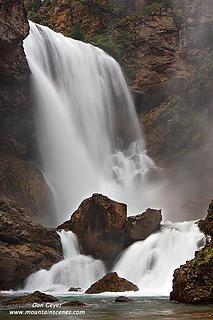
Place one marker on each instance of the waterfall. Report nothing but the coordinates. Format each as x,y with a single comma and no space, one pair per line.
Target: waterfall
75,270
90,141
88,133
150,264
69,242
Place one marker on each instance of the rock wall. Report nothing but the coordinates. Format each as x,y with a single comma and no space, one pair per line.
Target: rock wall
193,281
17,128
20,179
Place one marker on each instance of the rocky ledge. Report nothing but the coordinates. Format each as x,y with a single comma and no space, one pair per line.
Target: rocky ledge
35,297
111,282
193,281
104,230
25,246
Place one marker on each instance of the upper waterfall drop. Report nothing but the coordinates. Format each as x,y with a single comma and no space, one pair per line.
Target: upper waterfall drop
88,133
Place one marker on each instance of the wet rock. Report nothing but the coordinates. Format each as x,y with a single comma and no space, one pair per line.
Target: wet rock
73,304
25,246
141,226
193,281
103,229
111,282
17,131
123,299
99,224
35,297
22,181
75,289
206,225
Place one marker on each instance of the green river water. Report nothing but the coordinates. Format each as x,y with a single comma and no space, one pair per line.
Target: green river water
103,307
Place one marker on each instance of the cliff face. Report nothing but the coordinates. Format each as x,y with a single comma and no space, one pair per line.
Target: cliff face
20,179
193,281
14,90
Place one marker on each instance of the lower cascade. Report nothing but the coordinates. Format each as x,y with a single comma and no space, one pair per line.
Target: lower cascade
75,270
149,264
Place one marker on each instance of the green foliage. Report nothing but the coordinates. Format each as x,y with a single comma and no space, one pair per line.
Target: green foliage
123,40
3,243
156,7
36,4
149,9
94,6
77,32
115,47
30,15
47,3
105,43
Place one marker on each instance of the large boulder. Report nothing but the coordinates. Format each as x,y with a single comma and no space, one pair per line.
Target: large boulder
74,304
99,224
141,226
193,281
103,229
111,282
25,247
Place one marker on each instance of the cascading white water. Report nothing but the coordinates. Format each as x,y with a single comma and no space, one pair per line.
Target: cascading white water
69,243
85,121
151,263
75,270
90,141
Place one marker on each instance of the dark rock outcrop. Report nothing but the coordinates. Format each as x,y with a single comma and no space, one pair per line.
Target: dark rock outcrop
74,304
23,182
111,282
16,114
193,281
206,225
123,299
99,224
141,226
103,229
72,289
25,246
35,297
